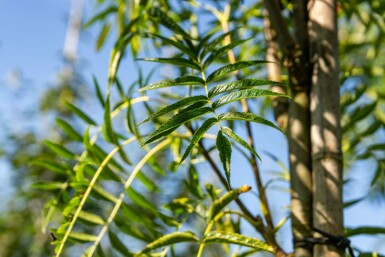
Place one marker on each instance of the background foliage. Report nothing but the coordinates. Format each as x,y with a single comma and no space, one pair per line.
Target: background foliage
92,163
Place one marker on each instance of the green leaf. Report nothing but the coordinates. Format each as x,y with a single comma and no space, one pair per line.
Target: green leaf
198,135
119,50
234,238
239,140
353,202
370,254
100,193
147,182
184,102
208,47
240,84
360,113
376,147
247,117
176,44
80,114
218,205
168,22
60,150
118,245
141,200
98,91
175,122
170,239
127,227
69,130
52,166
185,80
96,152
371,128
82,237
103,14
130,214
178,61
244,94
364,231
91,218
224,148
220,51
103,36
46,185
223,71
108,131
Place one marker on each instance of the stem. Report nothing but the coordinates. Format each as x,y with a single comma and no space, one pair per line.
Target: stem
127,184
88,191
202,245
261,190
245,108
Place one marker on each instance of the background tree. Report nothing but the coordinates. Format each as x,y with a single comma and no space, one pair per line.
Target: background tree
102,174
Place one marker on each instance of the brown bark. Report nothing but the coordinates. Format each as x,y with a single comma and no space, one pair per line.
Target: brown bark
274,72
298,128
325,128
299,133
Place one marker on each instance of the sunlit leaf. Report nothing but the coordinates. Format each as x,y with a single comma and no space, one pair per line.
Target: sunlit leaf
244,94
223,71
239,140
177,44
47,185
91,218
69,130
60,150
119,50
224,148
247,117
185,80
103,36
81,237
218,205
170,239
220,51
80,114
239,84
184,102
176,121
198,135
209,46
234,238
178,61
166,21
118,244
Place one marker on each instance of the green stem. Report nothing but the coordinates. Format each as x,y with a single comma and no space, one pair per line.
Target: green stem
202,245
128,183
88,192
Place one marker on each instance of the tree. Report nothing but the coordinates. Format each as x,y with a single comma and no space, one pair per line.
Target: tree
204,63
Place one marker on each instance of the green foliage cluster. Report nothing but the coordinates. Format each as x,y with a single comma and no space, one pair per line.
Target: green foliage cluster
109,179
94,169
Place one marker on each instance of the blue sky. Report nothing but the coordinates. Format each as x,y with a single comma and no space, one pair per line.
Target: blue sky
31,42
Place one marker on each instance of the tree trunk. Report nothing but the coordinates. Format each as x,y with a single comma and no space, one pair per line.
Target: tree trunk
325,127
298,127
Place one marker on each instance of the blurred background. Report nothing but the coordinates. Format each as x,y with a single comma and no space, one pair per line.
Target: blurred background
46,58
